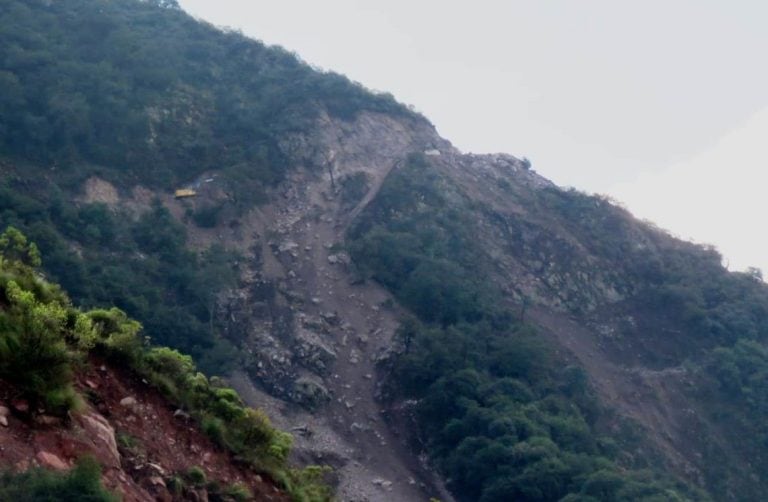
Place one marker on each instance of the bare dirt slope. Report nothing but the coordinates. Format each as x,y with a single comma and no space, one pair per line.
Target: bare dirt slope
134,433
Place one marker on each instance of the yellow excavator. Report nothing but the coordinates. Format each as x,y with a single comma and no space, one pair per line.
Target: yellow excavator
183,193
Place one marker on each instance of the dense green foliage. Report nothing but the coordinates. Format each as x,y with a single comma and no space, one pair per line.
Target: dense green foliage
103,257
149,93
683,283
690,311
43,338
36,322
81,484
503,418
221,413
140,92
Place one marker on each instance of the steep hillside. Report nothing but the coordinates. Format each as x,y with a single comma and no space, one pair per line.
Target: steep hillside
426,322
140,94
147,448
84,389
646,317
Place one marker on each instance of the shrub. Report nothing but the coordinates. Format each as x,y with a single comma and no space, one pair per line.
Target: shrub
83,483
196,476
215,429
239,492
33,351
207,216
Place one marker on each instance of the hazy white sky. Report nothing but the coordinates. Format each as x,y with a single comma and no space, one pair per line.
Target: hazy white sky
661,104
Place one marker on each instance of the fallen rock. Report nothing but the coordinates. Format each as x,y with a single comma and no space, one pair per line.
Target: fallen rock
157,481
313,351
181,414
330,317
382,483
128,402
101,433
156,468
3,420
21,405
287,246
51,461
4,411
309,392
47,420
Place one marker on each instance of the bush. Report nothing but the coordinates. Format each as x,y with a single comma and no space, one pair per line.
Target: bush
82,484
34,354
239,492
207,216
196,476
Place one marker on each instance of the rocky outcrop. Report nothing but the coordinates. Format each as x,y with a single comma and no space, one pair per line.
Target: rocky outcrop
101,434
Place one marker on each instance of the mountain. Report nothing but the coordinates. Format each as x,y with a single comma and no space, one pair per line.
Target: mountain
427,323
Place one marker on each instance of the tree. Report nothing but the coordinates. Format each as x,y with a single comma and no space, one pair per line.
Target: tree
15,248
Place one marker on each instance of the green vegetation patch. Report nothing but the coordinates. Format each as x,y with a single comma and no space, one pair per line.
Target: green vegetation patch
503,417
83,484
150,94
43,338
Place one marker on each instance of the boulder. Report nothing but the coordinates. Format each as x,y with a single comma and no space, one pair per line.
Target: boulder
309,392
101,433
128,402
51,461
47,420
21,405
287,246
181,414
313,351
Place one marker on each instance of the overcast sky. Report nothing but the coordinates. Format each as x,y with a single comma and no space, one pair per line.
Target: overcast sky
662,105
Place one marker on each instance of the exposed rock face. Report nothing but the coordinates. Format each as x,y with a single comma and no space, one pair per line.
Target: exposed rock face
311,333
98,430
310,392
98,190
